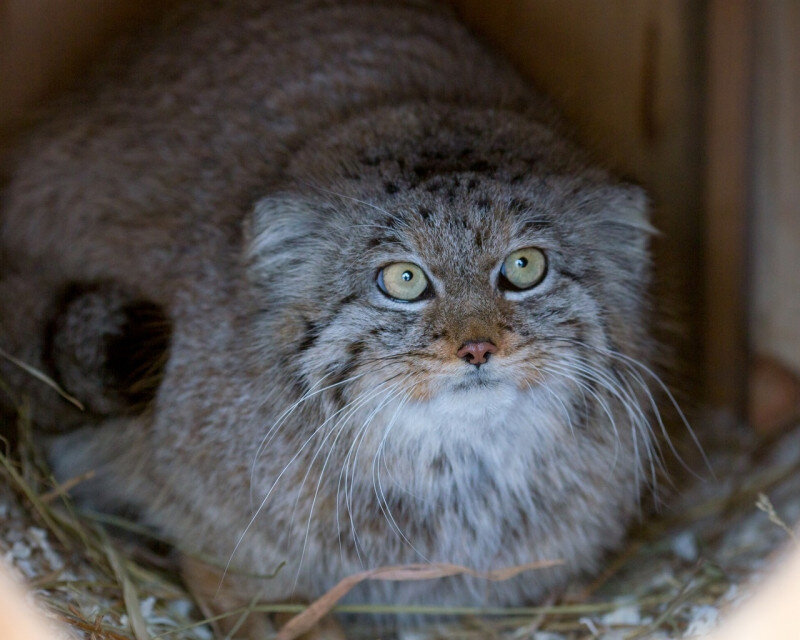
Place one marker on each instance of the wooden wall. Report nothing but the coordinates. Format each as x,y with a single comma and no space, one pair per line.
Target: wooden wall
728,118
775,248
774,251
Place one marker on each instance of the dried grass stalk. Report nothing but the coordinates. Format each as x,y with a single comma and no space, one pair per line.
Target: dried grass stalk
305,621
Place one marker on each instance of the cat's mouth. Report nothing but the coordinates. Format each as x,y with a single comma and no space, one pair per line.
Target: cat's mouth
476,379
471,385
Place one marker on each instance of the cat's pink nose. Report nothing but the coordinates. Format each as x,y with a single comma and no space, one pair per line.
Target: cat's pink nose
476,351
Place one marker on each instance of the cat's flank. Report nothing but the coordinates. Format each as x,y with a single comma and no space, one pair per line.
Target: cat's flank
334,294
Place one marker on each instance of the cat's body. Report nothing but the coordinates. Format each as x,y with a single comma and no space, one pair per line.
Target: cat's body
248,176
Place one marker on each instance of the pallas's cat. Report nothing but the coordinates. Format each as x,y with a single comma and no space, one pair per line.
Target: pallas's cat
334,293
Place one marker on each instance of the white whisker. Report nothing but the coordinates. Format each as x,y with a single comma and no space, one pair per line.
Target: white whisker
568,373
269,493
339,428
378,489
627,400
633,364
285,415
620,389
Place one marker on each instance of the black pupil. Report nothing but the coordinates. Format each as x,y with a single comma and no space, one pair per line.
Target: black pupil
522,262
407,276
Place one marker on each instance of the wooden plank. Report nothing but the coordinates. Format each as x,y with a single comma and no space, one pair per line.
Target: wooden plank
775,251
774,270
730,51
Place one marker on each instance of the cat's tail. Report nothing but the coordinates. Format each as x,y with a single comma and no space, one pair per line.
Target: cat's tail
107,346
72,354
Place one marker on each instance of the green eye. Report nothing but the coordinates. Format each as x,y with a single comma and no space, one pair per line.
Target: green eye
523,269
403,281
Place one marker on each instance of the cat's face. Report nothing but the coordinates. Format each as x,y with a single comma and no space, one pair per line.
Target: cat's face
461,262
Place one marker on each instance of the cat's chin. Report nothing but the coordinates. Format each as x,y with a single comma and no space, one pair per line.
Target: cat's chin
482,385
471,405
474,384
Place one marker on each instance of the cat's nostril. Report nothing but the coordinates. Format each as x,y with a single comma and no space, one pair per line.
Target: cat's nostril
476,351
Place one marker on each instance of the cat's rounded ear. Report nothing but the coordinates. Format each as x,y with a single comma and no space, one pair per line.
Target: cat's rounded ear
625,216
279,234
630,207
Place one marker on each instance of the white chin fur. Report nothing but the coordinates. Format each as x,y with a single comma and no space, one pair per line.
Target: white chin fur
464,414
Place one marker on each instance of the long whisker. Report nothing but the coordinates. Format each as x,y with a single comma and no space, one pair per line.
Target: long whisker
569,375
380,495
363,426
385,360
654,451
348,496
267,496
348,410
338,428
285,415
634,366
622,391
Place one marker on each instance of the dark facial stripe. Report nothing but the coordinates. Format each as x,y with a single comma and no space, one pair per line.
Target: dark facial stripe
310,335
313,329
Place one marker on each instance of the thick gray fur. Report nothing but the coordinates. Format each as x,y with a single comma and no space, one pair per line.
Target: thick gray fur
250,171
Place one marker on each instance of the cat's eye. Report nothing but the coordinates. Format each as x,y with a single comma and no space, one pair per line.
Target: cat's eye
523,269
403,281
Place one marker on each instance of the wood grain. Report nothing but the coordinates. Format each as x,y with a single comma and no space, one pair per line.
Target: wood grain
775,248
730,55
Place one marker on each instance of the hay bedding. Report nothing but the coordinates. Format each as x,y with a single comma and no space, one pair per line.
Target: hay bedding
671,581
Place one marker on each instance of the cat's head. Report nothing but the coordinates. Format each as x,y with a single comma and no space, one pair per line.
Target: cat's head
449,253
